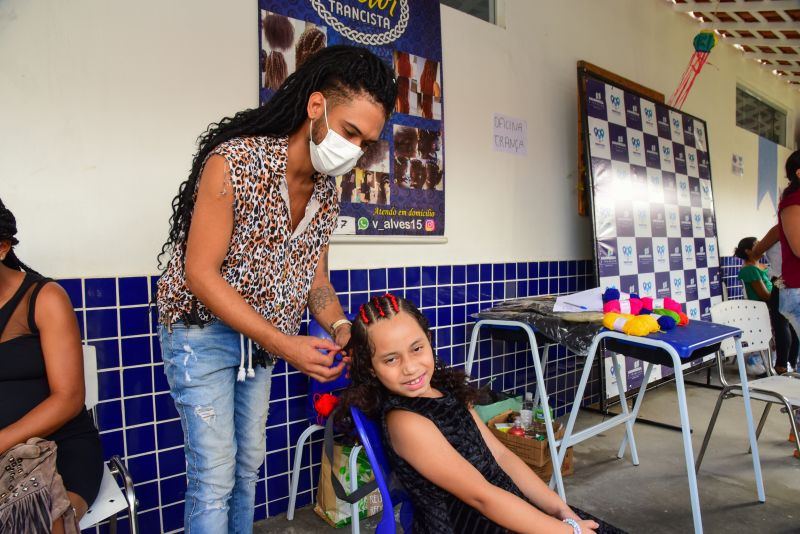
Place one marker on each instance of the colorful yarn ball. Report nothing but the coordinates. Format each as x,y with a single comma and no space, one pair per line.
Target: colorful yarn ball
666,322
665,303
610,294
680,318
667,313
632,325
632,306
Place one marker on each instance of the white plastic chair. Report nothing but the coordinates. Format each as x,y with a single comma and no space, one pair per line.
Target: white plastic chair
110,500
752,317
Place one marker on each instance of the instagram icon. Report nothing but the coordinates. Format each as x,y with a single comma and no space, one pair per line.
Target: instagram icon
430,225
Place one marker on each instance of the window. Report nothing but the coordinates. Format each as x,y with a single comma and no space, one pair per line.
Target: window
483,9
759,117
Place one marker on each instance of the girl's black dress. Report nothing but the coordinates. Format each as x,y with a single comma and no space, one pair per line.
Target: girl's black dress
435,510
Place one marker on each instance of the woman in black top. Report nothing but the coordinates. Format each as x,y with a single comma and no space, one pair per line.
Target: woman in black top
41,373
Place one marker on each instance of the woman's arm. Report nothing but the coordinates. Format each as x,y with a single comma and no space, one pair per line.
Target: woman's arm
323,303
63,360
790,222
417,440
771,237
760,289
208,242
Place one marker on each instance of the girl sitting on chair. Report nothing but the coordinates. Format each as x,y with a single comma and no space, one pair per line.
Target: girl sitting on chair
459,476
41,395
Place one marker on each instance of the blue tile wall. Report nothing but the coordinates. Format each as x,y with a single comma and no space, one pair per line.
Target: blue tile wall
138,420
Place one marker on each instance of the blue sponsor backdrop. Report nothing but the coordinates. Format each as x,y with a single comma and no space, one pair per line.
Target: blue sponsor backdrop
653,206
398,188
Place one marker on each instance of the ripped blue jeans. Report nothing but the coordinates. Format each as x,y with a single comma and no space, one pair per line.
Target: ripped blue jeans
223,425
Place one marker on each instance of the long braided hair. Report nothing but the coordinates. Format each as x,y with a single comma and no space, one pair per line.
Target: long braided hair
339,72
8,231
365,391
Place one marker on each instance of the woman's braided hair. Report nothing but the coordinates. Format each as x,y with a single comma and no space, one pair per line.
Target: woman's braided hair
8,232
339,72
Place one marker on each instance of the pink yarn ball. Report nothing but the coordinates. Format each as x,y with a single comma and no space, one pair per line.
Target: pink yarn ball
631,306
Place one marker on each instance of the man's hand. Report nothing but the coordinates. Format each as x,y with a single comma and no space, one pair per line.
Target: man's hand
305,353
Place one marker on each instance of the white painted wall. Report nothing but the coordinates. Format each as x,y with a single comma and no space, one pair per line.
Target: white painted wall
102,103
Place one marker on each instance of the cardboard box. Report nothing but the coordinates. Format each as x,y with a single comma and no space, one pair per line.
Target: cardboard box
535,453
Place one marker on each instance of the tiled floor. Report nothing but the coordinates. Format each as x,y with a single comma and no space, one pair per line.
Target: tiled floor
653,498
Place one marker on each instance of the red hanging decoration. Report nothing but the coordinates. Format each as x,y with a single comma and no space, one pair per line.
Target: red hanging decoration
703,43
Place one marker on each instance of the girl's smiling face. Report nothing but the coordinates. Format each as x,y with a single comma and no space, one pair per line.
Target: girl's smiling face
402,356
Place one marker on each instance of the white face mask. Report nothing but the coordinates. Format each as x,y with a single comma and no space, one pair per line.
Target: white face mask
335,155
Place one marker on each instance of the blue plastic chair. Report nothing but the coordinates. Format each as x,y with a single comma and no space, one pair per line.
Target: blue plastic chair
370,436
314,388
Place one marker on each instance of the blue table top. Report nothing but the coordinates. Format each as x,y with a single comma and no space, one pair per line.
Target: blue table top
687,339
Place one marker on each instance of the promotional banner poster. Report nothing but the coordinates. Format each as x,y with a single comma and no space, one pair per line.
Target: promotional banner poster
397,187
655,228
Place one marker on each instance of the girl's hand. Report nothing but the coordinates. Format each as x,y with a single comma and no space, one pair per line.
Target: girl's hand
587,525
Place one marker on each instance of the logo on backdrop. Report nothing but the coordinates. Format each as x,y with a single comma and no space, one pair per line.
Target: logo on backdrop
675,254
715,281
381,18
633,117
651,157
599,133
691,285
662,285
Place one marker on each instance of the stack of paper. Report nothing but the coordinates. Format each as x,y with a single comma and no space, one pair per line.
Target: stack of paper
589,300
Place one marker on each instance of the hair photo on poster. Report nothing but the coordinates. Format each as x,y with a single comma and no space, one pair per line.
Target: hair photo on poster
286,44
369,182
419,88
418,158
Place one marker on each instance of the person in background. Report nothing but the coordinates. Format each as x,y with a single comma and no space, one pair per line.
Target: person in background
249,251
789,234
786,340
757,286
41,382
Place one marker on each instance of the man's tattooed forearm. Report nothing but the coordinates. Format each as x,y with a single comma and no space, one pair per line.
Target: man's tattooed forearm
320,298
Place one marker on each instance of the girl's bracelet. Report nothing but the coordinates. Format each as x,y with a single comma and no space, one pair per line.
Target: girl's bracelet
576,528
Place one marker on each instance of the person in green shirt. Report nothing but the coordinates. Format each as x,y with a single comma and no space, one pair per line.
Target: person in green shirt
757,286
753,275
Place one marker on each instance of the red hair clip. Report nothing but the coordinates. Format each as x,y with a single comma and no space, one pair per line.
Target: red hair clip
364,315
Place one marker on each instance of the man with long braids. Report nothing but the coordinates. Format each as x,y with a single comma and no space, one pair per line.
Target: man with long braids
249,250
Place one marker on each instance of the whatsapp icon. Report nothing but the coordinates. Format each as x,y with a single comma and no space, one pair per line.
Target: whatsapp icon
363,223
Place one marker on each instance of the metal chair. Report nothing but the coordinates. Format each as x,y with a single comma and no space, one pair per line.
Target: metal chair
110,500
370,437
752,317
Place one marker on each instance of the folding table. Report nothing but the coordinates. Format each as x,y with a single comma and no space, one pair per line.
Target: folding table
673,349
533,315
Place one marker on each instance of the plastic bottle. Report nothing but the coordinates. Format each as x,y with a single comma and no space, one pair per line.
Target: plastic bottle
517,429
526,413
539,425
